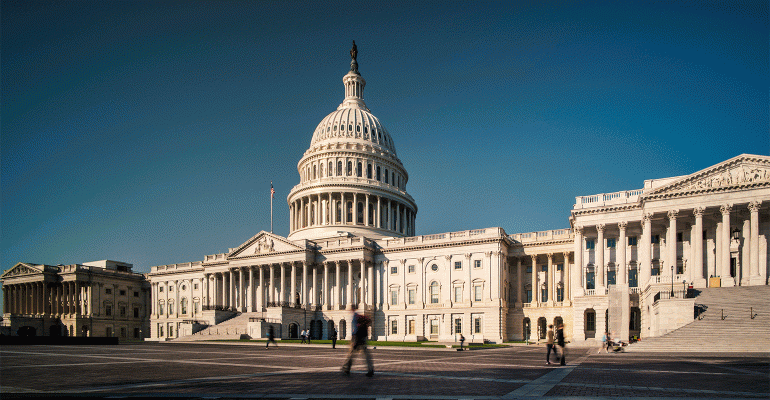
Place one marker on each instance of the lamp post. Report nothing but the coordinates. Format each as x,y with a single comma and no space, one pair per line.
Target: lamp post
684,288
672,281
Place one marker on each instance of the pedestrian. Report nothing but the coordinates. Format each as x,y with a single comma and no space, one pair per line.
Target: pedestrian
307,334
549,345
270,337
302,337
605,343
462,340
334,338
560,344
358,342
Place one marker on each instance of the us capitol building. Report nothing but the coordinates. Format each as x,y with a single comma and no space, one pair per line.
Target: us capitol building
624,265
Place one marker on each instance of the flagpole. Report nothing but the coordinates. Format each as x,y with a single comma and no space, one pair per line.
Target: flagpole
271,206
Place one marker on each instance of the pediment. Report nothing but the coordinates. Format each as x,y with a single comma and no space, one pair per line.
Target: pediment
21,269
264,243
744,170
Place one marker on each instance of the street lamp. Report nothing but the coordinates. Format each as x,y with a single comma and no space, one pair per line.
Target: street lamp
684,288
672,281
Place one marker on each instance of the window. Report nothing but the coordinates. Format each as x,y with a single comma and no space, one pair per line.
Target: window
170,288
679,236
358,170
136,312
559,267
458,294
458,265
183,304
412,293
109,291
477,290
529,269
411,327
632,240
590,244
394,297
122,331
611,277
136,294
544,294
476,263
339,168
170,330
350,168
196,305
411,269
655,239
369,171
136,333
170,311
378,172
386,175
108,310
590,320
393,327
476,324
611,243
529,295
458,325
160,289
160,330
122,292
122,311
434,327
590,284
160,308
195,286
434,293
434,267
393,270
559,293
633,280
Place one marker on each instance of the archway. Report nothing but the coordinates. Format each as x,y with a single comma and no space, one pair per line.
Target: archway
343,329
526,328
589,325
311,331
542,327
293,331
330,329
317,331
557,321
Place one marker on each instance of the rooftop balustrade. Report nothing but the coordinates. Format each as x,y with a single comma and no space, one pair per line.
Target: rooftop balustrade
541,236
441,237
608,199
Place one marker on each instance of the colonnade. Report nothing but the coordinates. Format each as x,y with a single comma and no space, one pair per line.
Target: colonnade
251,288
548,282
352,208
47,299
690,267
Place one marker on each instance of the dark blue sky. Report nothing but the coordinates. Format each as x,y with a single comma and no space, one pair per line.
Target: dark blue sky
149,132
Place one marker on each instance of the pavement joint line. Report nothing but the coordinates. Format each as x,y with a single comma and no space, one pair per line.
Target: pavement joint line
668,389
542,385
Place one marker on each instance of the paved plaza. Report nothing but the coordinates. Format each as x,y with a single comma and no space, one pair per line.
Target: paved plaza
194,370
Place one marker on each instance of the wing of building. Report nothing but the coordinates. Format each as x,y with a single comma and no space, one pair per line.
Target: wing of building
624,265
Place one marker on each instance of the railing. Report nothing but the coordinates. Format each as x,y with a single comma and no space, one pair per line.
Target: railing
218,308
636,290
605,199
268,320
438,237
542,235
667,294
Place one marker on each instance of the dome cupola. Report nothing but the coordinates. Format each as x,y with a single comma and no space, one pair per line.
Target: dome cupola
351,181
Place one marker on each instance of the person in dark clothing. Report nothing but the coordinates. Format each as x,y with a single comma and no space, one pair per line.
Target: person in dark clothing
334,338
358,342
271,337
560,344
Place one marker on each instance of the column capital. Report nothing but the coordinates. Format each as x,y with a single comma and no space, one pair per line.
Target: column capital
468,256
534,257
725,209
646,217
698,212
550,256
755,205
578,229
600,227
622,225
566,256
671,214
448,257
488,253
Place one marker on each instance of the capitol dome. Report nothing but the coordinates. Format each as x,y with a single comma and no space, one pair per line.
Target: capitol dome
351,181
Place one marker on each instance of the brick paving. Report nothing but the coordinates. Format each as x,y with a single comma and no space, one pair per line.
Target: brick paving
214,370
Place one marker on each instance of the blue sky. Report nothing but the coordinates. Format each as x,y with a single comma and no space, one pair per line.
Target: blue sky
149,132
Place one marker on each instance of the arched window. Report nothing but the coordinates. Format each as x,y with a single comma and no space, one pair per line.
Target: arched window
343,329
339,168
386,175
378,172
371,213
393,178
350,211
330,171
541,327
183,305
339,212
350,168
360,207
161,306
170,308
434,292
359,171
590,320
368,171
314,171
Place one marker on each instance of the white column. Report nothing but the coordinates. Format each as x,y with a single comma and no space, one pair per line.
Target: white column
326,286
697,268
578,267
338,286
519,281
241,291
250,299
303,296
292,296
377,216
755,276
282,288
671,245
535,289
271,292
261,298
370,284
566,279
550,280
727,278
620,251
599,248
315,285
645,255
349,300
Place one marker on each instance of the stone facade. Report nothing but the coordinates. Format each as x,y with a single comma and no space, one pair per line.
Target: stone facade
100,298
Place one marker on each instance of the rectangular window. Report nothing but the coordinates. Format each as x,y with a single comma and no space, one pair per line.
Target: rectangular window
170,330
458,325
633,280
160,289
679,236
529,295
393,327
195,286
411,269
589,244
136,312
136,294
394,297
477,325
476,263
434,327
411,326
108,311
544,294
458,265
477,293
136,333
529,269
109,291
610,277
655,239
559,267
590,284
458,294
632,240
122,311
122,292
160,330
393,270
411,296
590,321
611,243
559,294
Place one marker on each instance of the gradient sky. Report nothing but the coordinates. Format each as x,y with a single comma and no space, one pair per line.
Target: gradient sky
149,132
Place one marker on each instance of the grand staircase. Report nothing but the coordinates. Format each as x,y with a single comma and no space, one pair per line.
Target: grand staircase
233,328
736,332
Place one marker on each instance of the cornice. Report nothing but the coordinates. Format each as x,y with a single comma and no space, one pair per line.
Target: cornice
439,245
699,192
601,210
